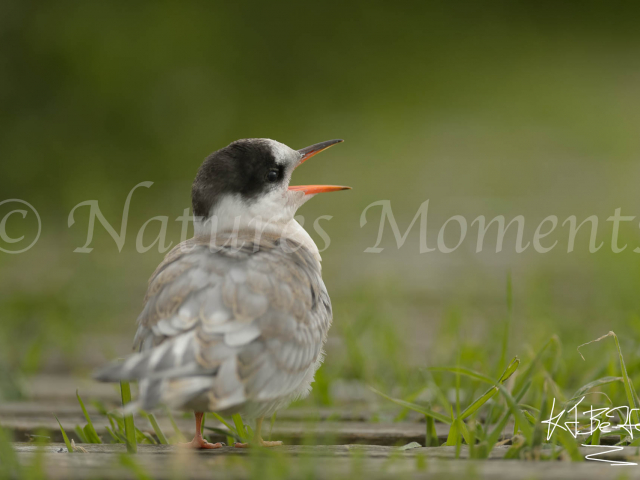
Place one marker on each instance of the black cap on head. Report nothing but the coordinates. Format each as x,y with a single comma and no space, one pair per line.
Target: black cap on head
246,167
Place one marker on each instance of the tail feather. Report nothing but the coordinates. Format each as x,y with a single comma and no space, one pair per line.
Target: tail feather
183,390
151,392
173,357
173,361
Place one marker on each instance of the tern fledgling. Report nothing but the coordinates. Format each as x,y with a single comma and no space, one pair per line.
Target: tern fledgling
235,318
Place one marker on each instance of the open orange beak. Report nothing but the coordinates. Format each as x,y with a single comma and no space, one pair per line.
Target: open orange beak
307,153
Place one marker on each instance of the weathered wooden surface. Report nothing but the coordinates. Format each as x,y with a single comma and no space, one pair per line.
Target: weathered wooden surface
71,408
290,432
353,440
344,461
50,395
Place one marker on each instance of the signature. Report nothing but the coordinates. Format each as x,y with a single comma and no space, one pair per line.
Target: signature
600,419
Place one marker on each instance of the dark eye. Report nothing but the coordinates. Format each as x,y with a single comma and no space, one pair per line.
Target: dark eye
272,175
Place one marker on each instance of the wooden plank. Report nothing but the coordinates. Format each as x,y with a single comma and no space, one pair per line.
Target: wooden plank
399,433
347,461
68,406
372,451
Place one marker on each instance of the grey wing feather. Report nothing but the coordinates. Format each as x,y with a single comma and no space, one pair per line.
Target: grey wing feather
238,325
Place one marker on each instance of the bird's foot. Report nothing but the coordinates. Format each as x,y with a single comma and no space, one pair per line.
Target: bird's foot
265,443
258,442
199,443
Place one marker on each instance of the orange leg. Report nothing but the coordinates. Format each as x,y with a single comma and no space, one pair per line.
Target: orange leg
198,442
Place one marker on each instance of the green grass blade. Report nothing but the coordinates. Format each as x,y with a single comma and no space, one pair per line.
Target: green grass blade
454,438
92,436
89,430
116,421
272,423
528,373
457,429
237,420
458,424
129,425
433,386
516,412
67,442
494,436
464,371
478,403
232,433
538,434
510,370
144,437
9,463
137,470
629,390
431,438
531,418
570,445
156,428
114,436
596,383
414,407
80,433
99,406
178,434
454,434
524,406
582,391
507,323
464,431
409,398
226,433
224,422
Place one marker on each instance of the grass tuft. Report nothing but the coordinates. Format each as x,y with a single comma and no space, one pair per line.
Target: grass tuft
129,426
67,442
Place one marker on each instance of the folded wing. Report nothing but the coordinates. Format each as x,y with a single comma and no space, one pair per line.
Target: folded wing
230,323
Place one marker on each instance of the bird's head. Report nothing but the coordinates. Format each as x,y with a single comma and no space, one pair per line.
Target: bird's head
248,182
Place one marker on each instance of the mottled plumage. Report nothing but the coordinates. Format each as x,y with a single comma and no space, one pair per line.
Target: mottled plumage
230,328
235,319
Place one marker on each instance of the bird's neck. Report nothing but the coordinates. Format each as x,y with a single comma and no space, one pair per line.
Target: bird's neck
269,218
258,229
296,232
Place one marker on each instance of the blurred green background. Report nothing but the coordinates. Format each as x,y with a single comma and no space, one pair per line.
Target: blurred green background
502,108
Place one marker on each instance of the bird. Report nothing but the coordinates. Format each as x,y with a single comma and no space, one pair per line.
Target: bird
235,319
